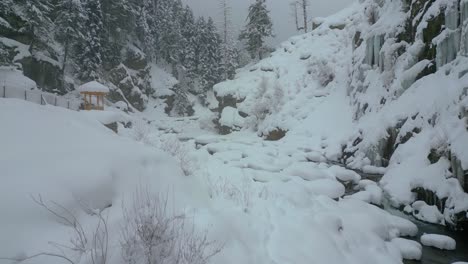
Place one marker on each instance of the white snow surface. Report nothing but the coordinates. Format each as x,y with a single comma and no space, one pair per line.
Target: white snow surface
409,249
438,241
11,78
327,93
71,156
93,86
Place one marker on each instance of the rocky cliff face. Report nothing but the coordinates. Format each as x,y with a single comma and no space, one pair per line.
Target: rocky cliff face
380,84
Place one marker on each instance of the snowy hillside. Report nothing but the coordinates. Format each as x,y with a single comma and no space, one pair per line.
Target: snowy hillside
73,161
343,146
379,87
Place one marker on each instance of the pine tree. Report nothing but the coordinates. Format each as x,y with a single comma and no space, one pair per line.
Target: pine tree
259,27
188,58
38,21
209,57
169,31
90,57
146,29
69,26
229,51
116,27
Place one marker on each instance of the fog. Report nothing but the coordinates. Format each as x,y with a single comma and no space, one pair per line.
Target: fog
283,23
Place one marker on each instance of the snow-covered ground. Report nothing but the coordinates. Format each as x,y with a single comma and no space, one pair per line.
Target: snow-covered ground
349,91
262,200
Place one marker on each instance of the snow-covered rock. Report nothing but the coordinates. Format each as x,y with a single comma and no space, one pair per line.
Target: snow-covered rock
438,241
409,249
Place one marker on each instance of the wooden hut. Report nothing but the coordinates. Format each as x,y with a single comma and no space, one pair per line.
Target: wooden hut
93,95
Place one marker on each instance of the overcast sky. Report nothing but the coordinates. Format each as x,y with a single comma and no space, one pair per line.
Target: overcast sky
283,22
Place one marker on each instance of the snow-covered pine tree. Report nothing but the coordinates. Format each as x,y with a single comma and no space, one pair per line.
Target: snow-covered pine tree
169,31
259,26
146,28
188,46
38,21
210,57
90,50
117,24
69,23
229,51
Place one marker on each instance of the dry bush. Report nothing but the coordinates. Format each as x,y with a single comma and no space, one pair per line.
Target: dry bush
152,234
141,131
269,100
92,245
241,195
321,71
180,152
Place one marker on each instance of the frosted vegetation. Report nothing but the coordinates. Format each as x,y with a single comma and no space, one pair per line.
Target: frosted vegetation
307,155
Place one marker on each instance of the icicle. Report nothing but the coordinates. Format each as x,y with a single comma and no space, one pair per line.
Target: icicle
463,11
377,47
373,47
464,28
449,44
369,51
451,18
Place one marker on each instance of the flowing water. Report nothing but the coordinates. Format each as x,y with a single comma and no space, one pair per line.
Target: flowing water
430,255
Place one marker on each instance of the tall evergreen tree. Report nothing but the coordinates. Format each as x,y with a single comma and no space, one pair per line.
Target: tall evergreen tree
188,47
229,51
259,27
69,26
210,56
116,26
146,28
37,21
90,50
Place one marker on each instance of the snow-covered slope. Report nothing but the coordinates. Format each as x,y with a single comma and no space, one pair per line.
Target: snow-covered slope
71,159
380,84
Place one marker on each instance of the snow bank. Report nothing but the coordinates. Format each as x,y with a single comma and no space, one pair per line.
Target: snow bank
438,241
409,249
230,117
161,81
70,158
11,78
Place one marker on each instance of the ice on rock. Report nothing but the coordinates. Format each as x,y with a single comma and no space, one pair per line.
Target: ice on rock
230,117
464,28
409,249
371,193
438,241
373,47
344,175
307,171
427,213
449,42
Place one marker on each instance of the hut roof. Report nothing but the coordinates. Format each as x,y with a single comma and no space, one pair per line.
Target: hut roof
94,87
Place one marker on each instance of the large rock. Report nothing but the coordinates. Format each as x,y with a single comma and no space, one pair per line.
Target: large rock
46,74
129,85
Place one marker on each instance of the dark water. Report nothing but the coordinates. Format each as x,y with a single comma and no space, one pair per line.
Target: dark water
430,255
433,255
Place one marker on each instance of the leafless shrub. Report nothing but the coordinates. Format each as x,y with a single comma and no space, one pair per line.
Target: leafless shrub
93,245
141,131
221,187
269,99
321,71
180,152
154,235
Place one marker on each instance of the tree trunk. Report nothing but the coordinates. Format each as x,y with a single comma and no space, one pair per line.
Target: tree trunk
304,9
